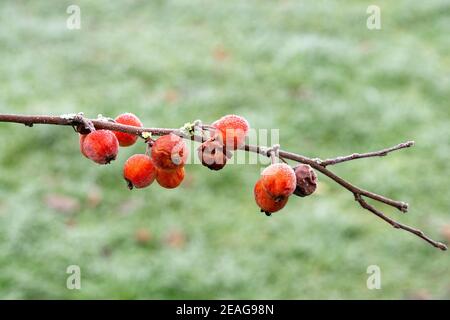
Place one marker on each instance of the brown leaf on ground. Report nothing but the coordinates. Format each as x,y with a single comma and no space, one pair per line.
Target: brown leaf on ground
175,239
61,203
71,223
142,236
129,206
220,53
171,96
445,232
365,47
421,294
94,197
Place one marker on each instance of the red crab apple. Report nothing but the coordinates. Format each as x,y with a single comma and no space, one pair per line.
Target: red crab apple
139,171
170,178
169,152
82,138
265,201
101,146
127,139
231,131
278,180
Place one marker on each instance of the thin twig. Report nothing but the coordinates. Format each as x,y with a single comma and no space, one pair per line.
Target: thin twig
76,120
354,156
399,225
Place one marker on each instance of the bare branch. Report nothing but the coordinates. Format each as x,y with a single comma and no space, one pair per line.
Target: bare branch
354,156
77,121
398,225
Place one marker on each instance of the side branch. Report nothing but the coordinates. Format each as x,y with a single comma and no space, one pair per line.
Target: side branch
399,225
354,156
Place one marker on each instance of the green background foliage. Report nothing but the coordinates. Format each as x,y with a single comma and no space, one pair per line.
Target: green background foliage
310,68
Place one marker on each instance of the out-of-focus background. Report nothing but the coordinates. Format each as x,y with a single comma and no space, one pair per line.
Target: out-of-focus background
310,68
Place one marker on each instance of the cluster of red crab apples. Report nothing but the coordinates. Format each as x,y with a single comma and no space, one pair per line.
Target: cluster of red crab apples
166,156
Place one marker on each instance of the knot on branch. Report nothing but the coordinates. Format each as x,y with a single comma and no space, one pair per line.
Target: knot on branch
273,152
101,117
80,124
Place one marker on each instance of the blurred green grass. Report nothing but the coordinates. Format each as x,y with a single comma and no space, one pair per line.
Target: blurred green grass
310,68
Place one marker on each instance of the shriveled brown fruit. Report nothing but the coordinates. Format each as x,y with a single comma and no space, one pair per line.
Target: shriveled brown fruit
213,154
306,180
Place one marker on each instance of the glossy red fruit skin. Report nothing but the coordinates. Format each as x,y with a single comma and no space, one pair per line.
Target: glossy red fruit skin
279,180
101,146
82,138
306,180
171,178
129,119
231,131
266,202
169,152
213,154
139,171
